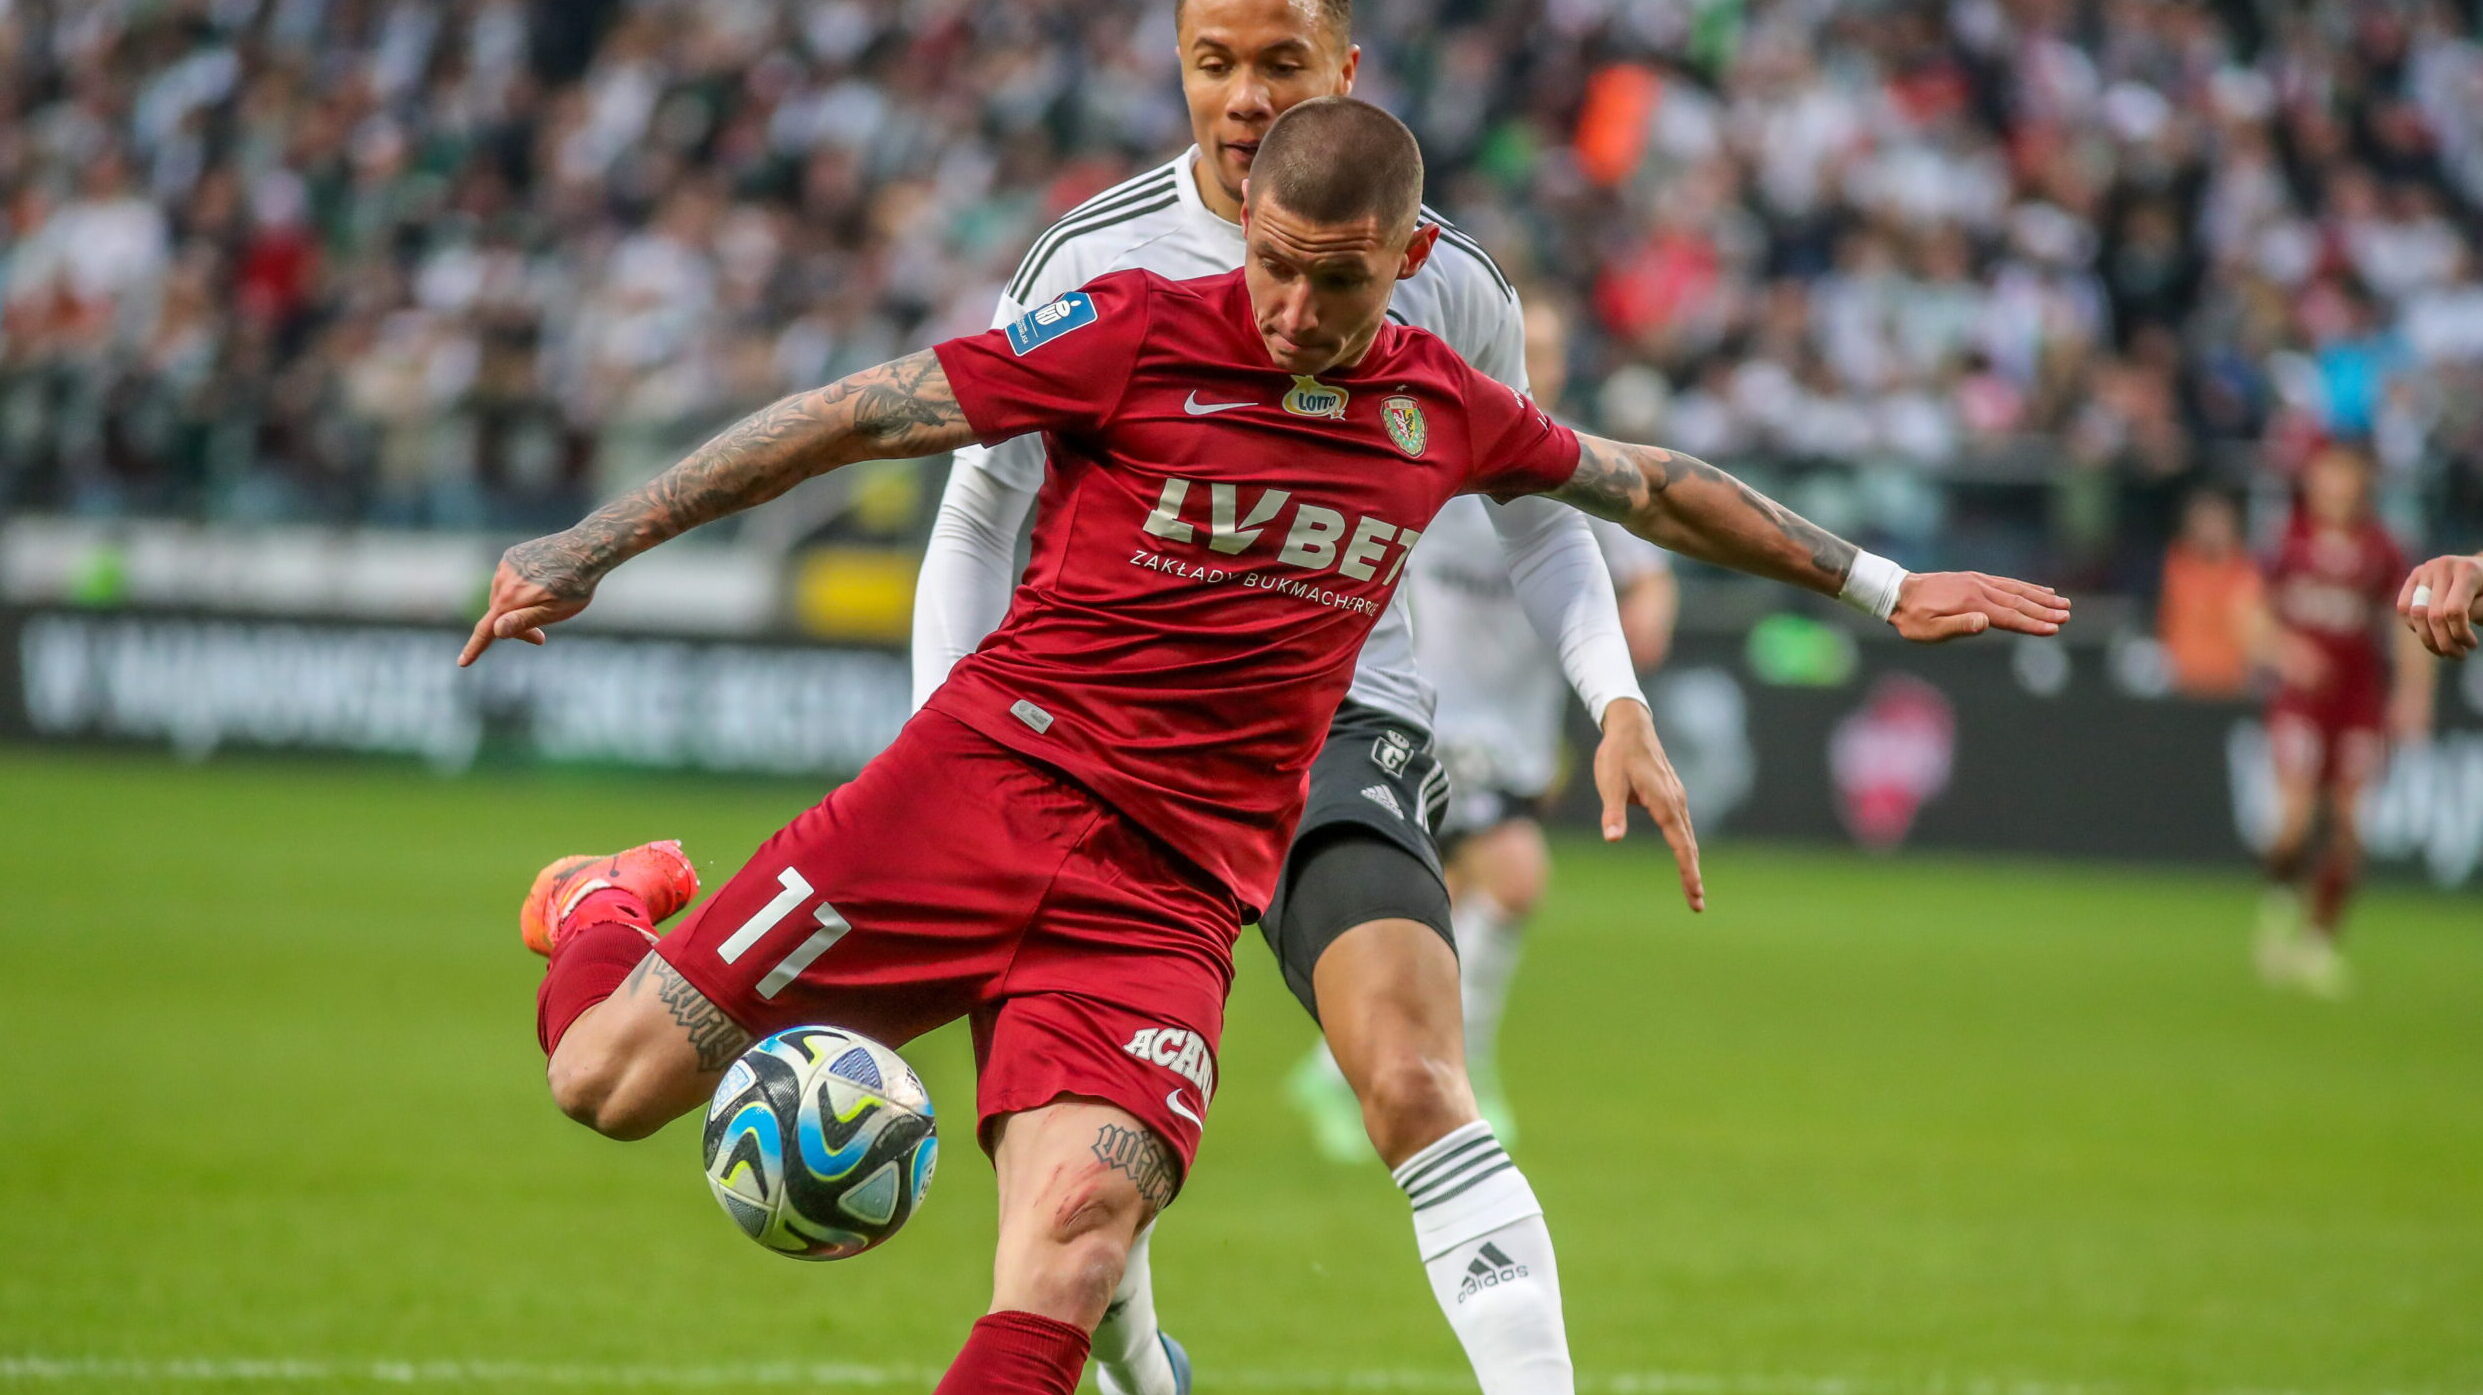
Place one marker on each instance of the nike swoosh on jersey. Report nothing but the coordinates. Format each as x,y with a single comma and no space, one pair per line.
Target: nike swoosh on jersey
1172,1101
1197,408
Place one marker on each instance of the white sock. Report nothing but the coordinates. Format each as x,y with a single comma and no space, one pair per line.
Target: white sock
1483,1242
1488,944
1129,1354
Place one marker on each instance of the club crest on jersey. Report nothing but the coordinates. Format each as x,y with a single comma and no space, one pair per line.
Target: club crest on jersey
1313,398
1045,323
1404,417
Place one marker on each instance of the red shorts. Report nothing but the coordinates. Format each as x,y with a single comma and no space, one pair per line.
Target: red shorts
2334,734
955,878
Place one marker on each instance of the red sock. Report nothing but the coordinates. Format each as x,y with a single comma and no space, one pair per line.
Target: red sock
1017,1354
606,938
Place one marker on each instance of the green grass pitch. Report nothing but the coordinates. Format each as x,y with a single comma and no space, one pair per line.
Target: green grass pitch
271,1118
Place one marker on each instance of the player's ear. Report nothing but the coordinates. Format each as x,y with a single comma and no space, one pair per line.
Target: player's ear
1418,249
1346,70
1245,204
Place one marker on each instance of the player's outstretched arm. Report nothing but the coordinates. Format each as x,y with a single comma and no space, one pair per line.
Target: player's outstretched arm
895,411
2441,603
1689,506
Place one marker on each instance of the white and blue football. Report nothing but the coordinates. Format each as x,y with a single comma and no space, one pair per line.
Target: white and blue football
820,1143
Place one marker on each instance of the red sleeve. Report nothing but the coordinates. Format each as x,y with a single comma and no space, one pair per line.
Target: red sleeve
1059,367
1517,447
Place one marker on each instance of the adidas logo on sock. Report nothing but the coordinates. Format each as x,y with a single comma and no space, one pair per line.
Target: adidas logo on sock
1491,1268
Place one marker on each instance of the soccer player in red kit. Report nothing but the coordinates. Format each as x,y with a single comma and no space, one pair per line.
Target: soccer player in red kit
1063,844
2331,583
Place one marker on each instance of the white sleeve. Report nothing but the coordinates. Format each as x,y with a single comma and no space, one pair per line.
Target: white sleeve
969,567
1554,564
1561,580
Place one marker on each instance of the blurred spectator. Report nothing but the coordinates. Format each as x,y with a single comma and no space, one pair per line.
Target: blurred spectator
2210,591
467,263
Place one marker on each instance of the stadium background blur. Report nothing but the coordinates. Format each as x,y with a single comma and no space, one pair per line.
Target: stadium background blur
307,307
2012,277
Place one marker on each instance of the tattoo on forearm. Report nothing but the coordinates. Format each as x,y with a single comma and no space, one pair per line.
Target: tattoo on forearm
1623,483
894,411
1141,1155
716,1038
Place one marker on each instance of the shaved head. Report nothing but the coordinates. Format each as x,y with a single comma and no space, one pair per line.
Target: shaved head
1337,160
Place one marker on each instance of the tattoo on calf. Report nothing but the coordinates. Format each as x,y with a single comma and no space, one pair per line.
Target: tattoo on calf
715,1037
1141,1155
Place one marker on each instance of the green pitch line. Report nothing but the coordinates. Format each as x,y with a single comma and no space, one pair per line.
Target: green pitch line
1892,1126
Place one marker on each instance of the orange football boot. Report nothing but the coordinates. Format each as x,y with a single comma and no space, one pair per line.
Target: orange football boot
659,872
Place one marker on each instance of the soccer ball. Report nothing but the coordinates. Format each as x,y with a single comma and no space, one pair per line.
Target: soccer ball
820,1143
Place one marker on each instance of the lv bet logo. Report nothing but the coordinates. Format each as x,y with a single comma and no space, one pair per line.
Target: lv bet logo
1314,538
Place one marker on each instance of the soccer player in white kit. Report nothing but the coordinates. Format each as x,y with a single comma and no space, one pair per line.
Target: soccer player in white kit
1498,722
1361,921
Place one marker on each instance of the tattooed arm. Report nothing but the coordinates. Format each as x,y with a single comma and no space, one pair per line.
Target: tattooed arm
1697,510
895,411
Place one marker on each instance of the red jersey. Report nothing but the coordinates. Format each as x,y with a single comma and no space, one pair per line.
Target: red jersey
2337,587
1215,538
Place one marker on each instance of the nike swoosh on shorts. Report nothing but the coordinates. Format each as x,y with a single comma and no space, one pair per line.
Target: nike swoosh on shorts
1197,408
1172,1101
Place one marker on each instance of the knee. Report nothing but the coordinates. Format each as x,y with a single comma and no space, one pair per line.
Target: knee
1409,1100
1082,1243
594,1088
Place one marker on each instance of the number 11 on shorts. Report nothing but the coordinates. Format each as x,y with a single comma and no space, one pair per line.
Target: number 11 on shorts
832,927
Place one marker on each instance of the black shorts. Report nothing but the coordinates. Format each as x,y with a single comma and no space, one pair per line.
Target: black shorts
1365,849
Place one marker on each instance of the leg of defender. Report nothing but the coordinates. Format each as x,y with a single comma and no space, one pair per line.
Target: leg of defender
1388,999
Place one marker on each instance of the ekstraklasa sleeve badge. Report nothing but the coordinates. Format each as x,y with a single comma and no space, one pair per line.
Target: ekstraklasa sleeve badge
1404,416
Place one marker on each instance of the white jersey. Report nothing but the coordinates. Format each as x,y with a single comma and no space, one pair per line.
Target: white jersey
1157,222
1498,717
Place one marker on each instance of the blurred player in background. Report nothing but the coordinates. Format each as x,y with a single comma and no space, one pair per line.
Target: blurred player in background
2442,602
1498,724
1360,922
2330,584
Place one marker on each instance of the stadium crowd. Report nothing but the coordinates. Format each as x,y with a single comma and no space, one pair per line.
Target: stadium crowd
1999,281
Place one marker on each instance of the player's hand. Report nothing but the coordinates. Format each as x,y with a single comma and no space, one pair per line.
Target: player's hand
1937,606
519,608
1631,768
2440,602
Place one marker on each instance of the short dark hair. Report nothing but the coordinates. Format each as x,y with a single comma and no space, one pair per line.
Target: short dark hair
1337,15
1339,160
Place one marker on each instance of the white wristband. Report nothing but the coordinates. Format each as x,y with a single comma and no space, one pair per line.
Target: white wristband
1871,586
